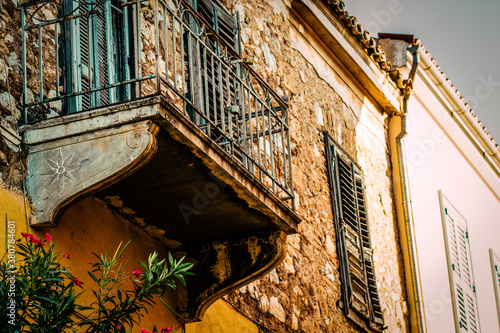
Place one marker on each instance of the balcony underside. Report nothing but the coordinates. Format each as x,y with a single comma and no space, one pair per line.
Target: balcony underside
177,192
152,163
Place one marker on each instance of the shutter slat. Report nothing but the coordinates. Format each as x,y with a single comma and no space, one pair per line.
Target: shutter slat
495,273
357,274
372,282
459,267
94,51
102,52
359,282
84,56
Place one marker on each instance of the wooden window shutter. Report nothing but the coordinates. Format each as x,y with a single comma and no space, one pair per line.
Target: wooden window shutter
357,272
495,271
221,20
215,89
376,313
114,50
103,42
96,53
458,255
77,58
85,57
357,287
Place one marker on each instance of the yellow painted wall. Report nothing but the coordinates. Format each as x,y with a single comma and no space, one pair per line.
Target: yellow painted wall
91,227
11,204
222,318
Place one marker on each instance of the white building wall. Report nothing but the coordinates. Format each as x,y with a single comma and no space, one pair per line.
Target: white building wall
436,162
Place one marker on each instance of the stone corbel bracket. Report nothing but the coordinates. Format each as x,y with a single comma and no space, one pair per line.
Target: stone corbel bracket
62,170
224,266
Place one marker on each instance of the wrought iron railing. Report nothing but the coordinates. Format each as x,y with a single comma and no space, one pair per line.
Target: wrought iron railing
81,55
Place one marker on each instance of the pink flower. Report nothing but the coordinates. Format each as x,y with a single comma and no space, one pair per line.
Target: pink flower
166,329
77,282
144,331
137,272
118,327
35,240
67,255
25,234
48,238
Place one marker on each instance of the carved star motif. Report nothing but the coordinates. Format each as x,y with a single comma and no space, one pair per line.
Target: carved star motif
61,169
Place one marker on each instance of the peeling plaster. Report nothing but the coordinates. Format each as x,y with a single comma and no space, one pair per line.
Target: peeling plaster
279,7
325,72
270,59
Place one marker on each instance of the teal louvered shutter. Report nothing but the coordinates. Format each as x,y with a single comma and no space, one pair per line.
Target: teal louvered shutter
100,52
458,255
77,57
495,272
353,247
376,313
115,49
213,87
84,57
96,53
357,271
225,24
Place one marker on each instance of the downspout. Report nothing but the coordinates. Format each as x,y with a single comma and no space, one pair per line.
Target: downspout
405,216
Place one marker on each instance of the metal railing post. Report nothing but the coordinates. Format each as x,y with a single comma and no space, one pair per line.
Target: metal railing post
157,48
219,90
25,80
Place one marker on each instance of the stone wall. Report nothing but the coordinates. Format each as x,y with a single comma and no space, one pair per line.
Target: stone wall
11,161
302,293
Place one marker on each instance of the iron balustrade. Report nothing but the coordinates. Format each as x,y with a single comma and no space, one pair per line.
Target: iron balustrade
167,48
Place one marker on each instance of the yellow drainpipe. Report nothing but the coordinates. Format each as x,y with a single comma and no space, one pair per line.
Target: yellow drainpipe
397,131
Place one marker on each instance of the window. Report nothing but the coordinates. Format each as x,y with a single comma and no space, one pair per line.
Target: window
495,271
359,300
213,78
221,20
207,76
96,53
458,255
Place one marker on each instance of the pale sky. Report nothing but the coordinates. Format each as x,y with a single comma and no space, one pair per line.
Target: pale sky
462,35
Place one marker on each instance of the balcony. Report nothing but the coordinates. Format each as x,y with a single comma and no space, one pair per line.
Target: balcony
149,106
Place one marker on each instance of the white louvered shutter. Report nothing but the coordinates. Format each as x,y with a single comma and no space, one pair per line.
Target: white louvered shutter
459,268
495,271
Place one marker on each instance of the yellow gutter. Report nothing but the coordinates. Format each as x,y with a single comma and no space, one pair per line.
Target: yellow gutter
402,199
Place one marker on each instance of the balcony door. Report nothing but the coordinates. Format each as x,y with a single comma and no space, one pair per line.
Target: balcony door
96,53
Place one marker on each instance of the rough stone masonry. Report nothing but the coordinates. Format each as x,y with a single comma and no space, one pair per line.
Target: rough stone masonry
302,293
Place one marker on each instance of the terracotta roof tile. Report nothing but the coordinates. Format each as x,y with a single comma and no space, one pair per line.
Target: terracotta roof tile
371,47
368,43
